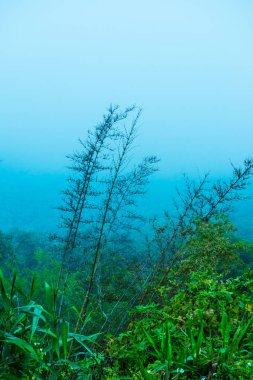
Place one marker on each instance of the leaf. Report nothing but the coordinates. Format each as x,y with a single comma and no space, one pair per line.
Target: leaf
47,332
36,318
64,334
21,344
82,338
152,342
6,301
225,328
13,285
33,286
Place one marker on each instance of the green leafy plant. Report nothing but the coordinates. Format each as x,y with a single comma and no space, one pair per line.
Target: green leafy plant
34,342
204,330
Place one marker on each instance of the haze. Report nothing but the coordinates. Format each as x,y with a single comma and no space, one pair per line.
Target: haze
188,64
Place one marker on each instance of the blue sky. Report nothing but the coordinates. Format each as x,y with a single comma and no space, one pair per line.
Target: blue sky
189,64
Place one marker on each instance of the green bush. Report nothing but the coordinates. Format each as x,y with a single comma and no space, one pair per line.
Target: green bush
204,331
35,344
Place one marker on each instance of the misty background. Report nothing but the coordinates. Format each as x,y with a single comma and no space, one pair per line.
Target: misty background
188,64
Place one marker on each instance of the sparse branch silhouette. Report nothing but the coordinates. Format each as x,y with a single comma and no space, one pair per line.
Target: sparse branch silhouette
202,201
103,192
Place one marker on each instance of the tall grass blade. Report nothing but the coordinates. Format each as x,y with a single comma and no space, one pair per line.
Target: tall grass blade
26,347
5,298
64,335
152,342
35,321
13,285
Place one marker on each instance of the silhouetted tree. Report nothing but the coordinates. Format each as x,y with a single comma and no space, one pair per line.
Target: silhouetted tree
102,194
200,201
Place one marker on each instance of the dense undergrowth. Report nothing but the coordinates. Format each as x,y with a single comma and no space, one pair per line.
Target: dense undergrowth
102,301
197,323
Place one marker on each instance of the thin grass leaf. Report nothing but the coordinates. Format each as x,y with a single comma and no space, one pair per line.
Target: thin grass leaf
26,347
47,332
225,328
239,335
64,336
35,321
49,300
200,335
33,286
5,298
13,285
82,338
152,342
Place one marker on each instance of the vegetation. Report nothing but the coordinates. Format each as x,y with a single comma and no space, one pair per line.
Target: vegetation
100,301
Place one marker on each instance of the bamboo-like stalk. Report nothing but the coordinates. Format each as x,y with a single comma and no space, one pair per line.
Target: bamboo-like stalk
211,201
128,140
87,164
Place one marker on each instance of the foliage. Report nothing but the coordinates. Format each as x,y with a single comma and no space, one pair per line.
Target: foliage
7,256
34,343
198,325
210,247
195,316
204,331
101,197
201,200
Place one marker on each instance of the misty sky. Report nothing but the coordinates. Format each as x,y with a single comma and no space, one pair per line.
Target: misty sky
189,64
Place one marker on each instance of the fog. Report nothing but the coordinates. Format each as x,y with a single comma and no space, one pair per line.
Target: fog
188,64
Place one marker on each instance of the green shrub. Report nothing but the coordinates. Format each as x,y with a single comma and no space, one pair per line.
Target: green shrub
204,331
35,344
